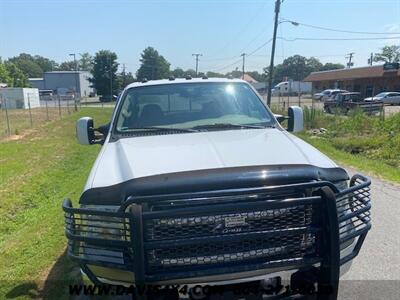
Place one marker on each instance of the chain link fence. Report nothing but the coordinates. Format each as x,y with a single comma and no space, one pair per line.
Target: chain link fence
13,121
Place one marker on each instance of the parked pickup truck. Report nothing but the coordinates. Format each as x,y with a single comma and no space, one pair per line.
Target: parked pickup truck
198,185
345,102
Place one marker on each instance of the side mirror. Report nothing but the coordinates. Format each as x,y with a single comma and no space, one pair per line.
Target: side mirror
85,131
280,118
296,120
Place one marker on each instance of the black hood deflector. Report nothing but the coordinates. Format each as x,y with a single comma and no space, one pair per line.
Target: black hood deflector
210,179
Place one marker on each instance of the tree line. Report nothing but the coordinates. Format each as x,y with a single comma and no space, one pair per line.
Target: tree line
104,65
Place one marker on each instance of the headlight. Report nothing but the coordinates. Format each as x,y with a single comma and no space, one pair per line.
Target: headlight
104,227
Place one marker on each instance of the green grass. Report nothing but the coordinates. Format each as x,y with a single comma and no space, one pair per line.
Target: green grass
37,173
369,143
19,119
376,167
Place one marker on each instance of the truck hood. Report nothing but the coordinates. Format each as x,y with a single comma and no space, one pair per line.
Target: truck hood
135,157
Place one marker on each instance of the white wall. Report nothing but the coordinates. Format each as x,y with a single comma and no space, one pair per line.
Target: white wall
20,97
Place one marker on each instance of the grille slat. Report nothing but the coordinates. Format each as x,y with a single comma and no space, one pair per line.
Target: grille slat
212,225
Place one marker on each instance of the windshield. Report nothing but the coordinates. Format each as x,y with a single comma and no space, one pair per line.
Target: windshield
381,95
190,105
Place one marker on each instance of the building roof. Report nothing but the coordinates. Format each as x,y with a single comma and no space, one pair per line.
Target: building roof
35,79
65,72
352,73
248,78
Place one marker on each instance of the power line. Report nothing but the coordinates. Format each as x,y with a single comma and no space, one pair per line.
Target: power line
258,48
338,39
244,28
219,59
248,54
340,30
227,66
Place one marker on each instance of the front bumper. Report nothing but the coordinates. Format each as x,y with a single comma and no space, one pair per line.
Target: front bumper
222,235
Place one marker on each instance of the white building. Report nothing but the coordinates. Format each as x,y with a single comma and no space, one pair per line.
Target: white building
19,98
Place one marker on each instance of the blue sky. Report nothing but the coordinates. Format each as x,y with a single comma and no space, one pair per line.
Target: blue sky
220,30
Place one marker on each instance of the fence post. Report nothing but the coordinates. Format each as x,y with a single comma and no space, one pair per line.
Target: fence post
29,107
59,105
312,95
47,111
75,101
68,106
7,119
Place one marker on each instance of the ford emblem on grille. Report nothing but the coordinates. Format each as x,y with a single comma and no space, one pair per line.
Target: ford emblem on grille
231,224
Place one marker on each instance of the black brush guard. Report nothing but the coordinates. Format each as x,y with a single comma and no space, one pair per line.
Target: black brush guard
171,237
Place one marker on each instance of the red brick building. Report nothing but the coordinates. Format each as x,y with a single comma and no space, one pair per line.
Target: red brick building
368,81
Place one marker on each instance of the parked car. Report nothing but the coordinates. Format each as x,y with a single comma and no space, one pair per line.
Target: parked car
46,95
392,98
197,183
328,94
107,98
344,102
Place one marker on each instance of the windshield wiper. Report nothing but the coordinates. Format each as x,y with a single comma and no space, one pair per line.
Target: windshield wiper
229,126
154,128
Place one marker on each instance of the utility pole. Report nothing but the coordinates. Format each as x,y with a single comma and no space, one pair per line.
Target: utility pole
123,76
371,59
243,55
76,82
350,57
197,60
111,93
271,65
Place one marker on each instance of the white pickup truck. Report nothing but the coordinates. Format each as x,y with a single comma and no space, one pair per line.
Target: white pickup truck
198,184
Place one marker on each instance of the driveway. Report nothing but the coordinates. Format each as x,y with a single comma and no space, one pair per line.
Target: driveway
375,273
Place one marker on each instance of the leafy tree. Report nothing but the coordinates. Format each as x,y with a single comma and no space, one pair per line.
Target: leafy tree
389,54
124,79
214,74
178,73
153,65
86,62
67,66
235,74
104,73
27,64
298,67
257,76
44,63
5,75
331,66
313,65
191,72
18,78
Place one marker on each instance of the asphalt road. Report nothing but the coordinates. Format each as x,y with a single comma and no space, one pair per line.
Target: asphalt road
375,273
